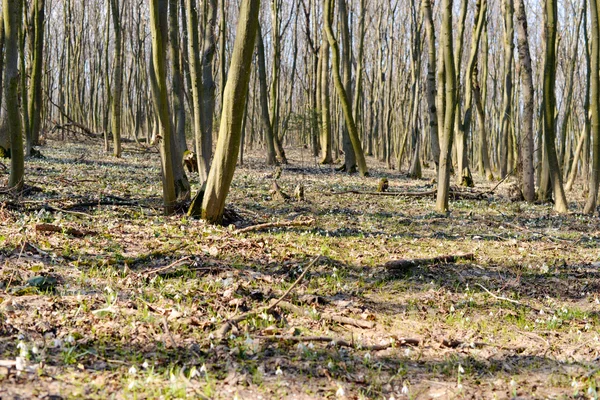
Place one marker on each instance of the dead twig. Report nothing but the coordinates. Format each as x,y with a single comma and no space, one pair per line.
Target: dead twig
279,224
167,267
498,297
70,231
227,325
327,316
406,264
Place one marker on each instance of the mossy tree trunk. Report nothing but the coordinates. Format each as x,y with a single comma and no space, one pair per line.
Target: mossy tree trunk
35,94
159,27
443,190
234,101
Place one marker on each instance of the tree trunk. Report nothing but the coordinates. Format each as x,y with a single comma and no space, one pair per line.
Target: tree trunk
345,101
117,78
158,24
526,140
264,101
590,205
35,95
560,201
450,108
234,100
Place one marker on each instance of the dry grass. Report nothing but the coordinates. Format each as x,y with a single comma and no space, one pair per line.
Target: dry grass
114,327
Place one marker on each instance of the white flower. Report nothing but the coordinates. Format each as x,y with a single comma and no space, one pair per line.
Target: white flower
301,347
311,346
278,371
70,339
194,373
132,370
513,383
459,386
461,370
405,389
131,385
203,369
20,363
340,392
407,352
56,343
211,336
452,308
145,364
367,356
574,383
330,365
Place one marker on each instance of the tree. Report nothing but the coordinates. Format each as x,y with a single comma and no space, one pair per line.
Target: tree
196,82
234,101
590,205
560,200
443,190
527,170
35,94
158,24
117,78
12,12
341,91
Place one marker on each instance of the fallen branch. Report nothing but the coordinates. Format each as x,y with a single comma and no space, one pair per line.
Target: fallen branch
327,316
280,224
341,343
227,325
69,231
165,268
404,265
454,194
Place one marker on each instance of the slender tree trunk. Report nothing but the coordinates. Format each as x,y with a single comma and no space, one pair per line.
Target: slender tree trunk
195,80
590,205
527,171
11,12
208,82
35,95
264,101
159,27
326,156
234,101
443,191
345,101
560,201
117,78
430,89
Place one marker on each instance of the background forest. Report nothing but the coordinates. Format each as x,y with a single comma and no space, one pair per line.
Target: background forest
299,199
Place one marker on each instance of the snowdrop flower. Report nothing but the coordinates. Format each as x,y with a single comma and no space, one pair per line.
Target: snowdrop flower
574,383
23,350
340,392
513,383
301,347
278,371
203,369
452,308
57,343
311,346
392,397
459,386
367,356
70,339
407,352
213,320
330,365
211,336
145,364
194,373
35,349
131,385
405,389
461,370
132,370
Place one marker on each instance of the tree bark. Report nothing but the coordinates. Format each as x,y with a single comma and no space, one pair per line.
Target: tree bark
234,100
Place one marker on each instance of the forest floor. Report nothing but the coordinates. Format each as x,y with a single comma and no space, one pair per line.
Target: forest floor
103,297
